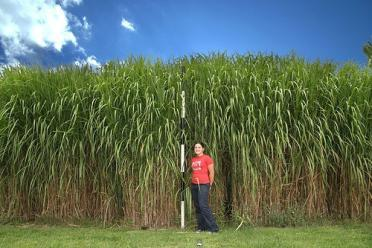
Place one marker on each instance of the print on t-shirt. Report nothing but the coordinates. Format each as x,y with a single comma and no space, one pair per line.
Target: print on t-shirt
196,165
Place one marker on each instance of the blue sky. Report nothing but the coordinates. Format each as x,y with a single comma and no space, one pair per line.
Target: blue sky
54,32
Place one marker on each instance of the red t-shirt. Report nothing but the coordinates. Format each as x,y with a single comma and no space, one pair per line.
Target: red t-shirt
199,165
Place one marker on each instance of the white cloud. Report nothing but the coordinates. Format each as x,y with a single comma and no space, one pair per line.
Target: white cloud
67,3
82,26
13,48
90,61
30,23
128,25
82,50
86,25
77,23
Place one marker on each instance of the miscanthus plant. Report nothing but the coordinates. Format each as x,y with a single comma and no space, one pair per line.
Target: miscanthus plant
284,134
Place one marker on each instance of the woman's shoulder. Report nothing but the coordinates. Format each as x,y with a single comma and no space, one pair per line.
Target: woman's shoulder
207,157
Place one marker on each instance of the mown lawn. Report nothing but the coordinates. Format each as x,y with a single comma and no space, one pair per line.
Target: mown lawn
356,235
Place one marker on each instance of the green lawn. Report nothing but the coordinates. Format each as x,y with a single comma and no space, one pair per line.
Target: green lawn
356,235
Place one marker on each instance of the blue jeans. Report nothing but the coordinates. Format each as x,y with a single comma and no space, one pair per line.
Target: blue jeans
204,216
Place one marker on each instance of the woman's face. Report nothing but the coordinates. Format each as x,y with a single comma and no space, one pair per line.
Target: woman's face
198,149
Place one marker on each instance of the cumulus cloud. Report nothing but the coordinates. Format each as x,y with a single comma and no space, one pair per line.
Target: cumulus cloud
127,25
90,61
82,51
68,3
86,25
34,23
83,26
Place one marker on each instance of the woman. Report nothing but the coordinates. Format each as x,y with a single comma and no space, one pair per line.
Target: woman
202,180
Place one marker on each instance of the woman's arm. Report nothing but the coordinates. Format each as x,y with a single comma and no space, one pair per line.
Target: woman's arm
211,174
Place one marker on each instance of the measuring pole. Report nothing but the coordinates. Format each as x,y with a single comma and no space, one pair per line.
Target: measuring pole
183,123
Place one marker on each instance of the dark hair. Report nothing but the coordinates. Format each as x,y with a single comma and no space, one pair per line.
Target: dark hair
200,143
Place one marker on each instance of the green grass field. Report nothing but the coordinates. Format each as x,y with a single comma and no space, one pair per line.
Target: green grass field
355,235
